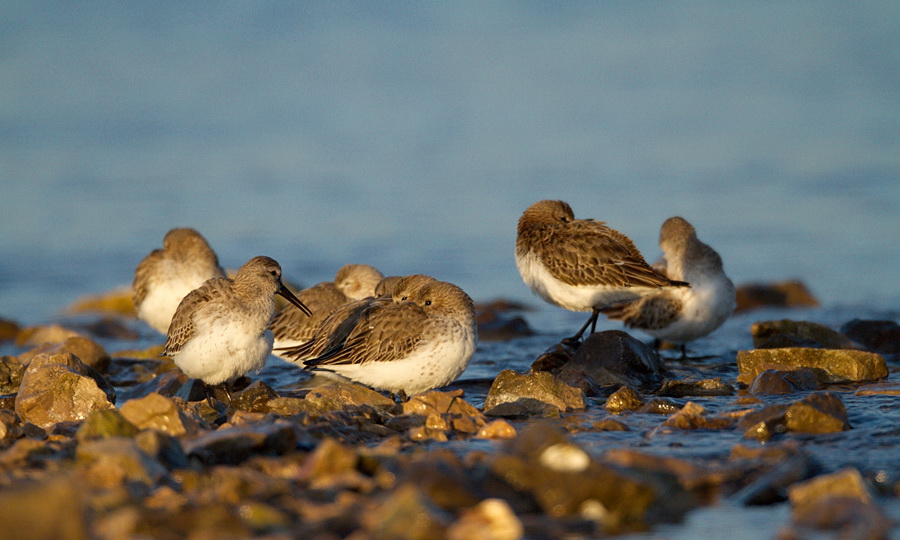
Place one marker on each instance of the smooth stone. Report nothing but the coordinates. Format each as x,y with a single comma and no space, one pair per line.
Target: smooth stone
119,301
772,381
160,413
788,333
842,365
877,336
879,389
255,397
614,358
105,423
609,424
88,351
510,387
231,446
704,387
839,501
496,324
490,519
819,412
624,399
496,429
780,294
112,462
340,396
60,388
33,336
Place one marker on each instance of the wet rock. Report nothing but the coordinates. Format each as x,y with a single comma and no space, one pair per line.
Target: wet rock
331,464
254,398
233,445
25,452
660,406
163,448
60,388
543,387
497,429
819,412
105,423
340,396
446,411
8,329
443,479
524,408
51,509
788,333
877,336
161,414
88,351
496,324
705,387
10,427
772,381
842,365
609,424
287,406
693,416
780,294
110,328
614,358
839,501
765,423
879,389
624,399
112,462
33,336
11,372
773,469
555,357
119,301
566,482
166,384
491,519
407,514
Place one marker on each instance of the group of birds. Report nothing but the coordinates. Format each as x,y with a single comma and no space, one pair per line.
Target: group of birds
409,334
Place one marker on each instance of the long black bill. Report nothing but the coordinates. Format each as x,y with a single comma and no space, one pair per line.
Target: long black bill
285,292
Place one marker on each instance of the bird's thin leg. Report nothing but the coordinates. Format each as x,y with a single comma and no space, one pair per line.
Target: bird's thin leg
209,394
592,321
683,351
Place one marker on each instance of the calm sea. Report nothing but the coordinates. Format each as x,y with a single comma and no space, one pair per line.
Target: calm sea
412,135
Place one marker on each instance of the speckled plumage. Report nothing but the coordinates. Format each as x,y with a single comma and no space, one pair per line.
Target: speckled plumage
581,265
219,330
682,315
291,327
421,337
167,275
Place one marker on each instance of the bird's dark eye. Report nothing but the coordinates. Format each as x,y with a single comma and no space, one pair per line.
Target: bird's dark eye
427,302
274,273
404,298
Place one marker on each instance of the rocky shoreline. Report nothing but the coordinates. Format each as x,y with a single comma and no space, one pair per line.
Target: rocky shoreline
110,445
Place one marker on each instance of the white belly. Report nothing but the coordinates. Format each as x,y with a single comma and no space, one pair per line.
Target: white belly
705,306
223,351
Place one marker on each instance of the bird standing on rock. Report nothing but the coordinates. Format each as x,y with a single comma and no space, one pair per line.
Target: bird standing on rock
219,331
579,264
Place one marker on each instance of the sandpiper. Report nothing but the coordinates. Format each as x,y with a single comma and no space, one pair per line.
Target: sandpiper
684,314
422,337
291,326
166,275
581,265
219,331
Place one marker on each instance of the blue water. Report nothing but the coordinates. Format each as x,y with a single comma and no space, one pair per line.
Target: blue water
412,136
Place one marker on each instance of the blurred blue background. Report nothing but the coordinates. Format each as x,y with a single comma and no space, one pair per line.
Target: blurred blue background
412,135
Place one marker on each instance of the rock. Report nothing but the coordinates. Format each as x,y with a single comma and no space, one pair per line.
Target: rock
119,301
88,351
772,381
11,372
877,336
10,427
60,388
166,384
660,406
105,423
765,423
842,365
232,446
340,396
8,329
443,480
838,501
497,429
491,519
609,424
407,514
624,399
330,460
555,357
112,462
819,412
446,411
879,389
510,387
705,387
566,482
255,397
788,333
110,328
288,406
161,414
495,323
163,448
52,509
524,408
614,358
693,416
774,468
37,335
782,294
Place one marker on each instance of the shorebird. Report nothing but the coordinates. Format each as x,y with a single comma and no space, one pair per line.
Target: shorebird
579,264
684,314
219,330
291,326
421,337
166,275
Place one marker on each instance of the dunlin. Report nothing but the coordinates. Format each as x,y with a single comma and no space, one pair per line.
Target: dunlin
422,337
166,275
581,265
684,314
292,327
219,331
